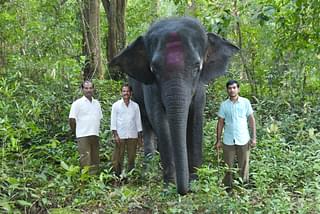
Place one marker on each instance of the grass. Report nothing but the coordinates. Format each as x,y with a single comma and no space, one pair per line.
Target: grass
40,170
47,179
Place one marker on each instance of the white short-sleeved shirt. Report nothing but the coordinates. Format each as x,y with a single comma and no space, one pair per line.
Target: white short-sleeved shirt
87,115
235,117
126,120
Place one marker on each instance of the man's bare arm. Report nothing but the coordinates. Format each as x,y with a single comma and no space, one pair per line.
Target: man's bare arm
252,125
220,126
72,123
116,136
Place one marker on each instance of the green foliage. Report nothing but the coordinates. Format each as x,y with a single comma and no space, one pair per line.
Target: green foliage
39,160
137,24
40,37
40,170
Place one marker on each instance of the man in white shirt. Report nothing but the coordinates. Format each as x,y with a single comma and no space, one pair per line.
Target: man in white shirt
126,129
84,120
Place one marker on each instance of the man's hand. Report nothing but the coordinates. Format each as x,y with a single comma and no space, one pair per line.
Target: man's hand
71,135
140,139
253,143
117,139
218,145
73,125
220,126
140,142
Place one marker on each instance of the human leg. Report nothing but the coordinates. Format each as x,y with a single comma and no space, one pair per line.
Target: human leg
243,153
229,153
84,151
132,151
95,159
118,157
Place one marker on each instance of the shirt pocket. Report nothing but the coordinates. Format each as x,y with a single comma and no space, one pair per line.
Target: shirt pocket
84,111
241,112
122,113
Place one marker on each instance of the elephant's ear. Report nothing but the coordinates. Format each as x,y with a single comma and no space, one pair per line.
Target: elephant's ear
218,54
133,60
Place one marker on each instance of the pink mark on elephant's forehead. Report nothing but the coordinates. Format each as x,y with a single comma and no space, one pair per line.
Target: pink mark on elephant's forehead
174,52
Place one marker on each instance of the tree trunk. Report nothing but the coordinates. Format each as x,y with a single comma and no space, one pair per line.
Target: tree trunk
91,39
154,13
249,72
116,41
191,9
2,53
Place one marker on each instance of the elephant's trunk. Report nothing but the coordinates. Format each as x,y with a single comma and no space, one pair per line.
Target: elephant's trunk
177,100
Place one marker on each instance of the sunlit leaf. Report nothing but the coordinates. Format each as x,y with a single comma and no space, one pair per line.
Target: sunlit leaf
24,203
64,165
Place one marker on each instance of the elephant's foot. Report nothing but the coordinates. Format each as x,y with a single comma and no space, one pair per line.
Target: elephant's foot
149,164
169,177
193,177
169,180
148,156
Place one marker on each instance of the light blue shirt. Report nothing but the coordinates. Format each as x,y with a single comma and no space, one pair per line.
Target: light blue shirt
235,117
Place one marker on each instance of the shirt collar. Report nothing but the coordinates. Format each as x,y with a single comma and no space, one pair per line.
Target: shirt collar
237,101
122,101
87,100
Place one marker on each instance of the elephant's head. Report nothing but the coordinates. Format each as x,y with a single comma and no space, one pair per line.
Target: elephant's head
176,50
177,55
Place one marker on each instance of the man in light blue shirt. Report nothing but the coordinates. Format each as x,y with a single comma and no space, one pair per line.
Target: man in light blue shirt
233,117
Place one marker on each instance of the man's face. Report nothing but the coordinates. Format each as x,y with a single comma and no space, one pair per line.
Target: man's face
88,89
233,90
126,93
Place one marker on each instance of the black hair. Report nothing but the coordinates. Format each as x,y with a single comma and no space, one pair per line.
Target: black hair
231,82
127,85
86,81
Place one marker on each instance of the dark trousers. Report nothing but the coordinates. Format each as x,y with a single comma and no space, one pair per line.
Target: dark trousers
118,155
88,148
241,152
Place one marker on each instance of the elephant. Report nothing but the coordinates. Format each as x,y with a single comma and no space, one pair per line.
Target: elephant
169,67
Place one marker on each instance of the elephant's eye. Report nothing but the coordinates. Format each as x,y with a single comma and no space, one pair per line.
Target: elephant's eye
195,71
201,65
153,69
198,67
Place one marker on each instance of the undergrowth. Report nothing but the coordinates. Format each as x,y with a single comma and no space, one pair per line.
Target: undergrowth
40,171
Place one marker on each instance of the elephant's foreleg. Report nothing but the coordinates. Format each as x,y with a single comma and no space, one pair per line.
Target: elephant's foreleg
159,122
149,140
195,130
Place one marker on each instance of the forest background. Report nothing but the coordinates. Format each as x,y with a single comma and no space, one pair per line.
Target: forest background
48,47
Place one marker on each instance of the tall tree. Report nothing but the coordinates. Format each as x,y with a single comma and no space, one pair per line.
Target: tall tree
91,38
191,9
248,71
154,12
115,11
2,52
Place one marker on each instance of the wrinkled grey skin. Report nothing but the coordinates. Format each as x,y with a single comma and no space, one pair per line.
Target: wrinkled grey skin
171,65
